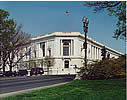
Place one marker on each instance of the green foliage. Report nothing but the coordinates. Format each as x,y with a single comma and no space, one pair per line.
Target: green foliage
114,8
106,69
6,27
3,15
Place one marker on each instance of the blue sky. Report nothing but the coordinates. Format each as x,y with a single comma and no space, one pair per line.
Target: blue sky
40,17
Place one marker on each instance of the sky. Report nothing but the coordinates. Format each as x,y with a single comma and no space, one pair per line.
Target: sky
40,17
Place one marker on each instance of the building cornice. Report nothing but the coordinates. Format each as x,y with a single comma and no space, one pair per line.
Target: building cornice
72,34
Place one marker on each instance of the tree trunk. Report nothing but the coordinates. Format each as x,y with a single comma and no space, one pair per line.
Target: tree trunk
3,67
10,68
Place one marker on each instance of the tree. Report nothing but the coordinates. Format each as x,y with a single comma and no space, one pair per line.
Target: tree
12,40
19,40
114,8
6,27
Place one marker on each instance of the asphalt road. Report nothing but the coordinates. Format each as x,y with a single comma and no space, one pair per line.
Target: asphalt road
8,85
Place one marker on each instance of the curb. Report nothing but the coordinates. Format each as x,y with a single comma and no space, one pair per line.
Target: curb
28,90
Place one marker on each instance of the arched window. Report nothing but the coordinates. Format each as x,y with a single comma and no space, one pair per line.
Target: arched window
66,49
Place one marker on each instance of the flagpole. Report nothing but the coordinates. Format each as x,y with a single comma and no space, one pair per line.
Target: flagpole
67,14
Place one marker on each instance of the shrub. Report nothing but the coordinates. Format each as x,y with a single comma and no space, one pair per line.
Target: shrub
105,69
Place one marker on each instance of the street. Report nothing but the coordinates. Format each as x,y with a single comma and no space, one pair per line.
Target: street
8,85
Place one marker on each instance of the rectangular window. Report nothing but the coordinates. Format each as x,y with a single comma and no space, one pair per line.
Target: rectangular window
65,51
42,46
26,52
35,53
66,47
43,49
66,64
49,52
29,53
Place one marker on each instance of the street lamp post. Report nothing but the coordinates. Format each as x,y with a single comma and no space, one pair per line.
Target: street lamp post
85,27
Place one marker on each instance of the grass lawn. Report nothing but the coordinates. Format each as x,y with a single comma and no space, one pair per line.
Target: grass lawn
79,90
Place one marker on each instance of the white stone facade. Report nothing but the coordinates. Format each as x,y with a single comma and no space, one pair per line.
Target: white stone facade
67,50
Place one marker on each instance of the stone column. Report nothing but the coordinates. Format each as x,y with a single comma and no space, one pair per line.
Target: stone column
72,47
69,49
95,53
46,48
37,51
98,54
91,52
60,46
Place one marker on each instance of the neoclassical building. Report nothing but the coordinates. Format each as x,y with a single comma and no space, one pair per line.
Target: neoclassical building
65,49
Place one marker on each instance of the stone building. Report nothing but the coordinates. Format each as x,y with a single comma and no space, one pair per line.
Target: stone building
57,52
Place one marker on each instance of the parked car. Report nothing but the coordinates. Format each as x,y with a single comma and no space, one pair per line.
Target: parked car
9,73
1,74
36,71
22,72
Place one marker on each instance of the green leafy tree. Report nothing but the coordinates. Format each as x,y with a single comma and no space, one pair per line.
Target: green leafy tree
114,8
6,27
12,40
